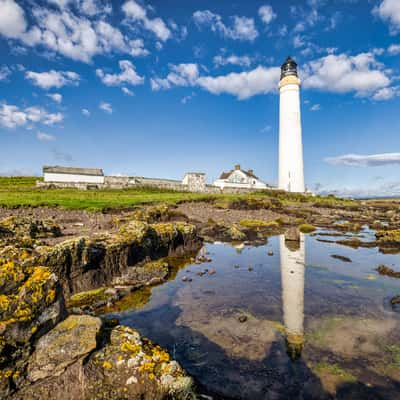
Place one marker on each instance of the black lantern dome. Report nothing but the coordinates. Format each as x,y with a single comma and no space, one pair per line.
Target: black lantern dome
289,67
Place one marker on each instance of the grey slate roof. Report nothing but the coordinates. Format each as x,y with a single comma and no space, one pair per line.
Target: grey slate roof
226,175
73,170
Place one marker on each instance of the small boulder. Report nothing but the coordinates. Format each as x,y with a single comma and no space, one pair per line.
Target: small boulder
70,340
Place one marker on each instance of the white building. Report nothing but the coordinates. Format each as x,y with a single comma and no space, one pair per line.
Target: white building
238,178
59,174
291,168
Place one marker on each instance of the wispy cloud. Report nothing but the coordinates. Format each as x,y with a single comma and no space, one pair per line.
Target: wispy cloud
315,107
373,160
242,28
45,137
50,79
106,107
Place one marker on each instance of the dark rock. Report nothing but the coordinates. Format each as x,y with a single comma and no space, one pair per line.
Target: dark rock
384,270
341,258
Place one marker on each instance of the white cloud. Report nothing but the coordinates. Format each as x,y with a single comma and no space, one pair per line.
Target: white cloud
187,98
343,73
45,137
242,28
266,14
61,30
106,107
50,79
134,12
389,10
127,91
386,93
315,107
57,97
136,48
243,61
373,160
4,72
394,49
128,75
12,116
180,75
298,41
243,85
85,112
12,19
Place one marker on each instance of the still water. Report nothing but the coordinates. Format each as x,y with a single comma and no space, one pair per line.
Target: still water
277,322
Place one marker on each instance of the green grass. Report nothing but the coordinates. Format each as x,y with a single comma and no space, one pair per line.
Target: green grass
21,191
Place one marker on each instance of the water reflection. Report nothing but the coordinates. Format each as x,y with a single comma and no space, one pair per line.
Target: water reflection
292,260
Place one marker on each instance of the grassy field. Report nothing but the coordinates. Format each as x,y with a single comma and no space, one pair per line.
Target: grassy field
21,191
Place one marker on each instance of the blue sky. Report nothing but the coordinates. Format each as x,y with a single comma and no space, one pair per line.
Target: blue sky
160,88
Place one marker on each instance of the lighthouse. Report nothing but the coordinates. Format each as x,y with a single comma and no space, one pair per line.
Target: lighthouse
291,168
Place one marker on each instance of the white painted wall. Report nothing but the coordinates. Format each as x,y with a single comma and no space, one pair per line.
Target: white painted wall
291,168
74,178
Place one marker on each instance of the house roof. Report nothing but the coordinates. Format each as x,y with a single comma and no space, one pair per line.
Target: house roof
73,170
226,175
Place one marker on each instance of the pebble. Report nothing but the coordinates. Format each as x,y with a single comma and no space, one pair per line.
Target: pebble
242,319
250,268
270,253
212,272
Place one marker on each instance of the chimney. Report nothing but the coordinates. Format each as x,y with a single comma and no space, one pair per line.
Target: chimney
237,166
251,172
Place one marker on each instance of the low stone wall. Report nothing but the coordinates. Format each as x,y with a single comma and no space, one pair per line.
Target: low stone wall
125,182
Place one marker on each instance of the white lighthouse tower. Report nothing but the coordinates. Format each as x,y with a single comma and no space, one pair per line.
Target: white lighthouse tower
291,168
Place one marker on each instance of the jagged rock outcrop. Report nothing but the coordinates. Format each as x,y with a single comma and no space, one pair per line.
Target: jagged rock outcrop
31,303
84,263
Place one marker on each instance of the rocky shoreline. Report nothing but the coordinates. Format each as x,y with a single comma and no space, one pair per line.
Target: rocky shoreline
59,267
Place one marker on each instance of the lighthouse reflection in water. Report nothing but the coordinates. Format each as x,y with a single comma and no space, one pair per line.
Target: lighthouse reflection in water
292,258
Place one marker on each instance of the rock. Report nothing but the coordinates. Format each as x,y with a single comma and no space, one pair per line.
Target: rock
184,278
341,258
395,300
31,303
212,272
384,270
250,268
133,367
242,319
235,233
148,274
292,235
70,340
83,263
270,253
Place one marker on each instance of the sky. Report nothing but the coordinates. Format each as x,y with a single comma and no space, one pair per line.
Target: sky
158,88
